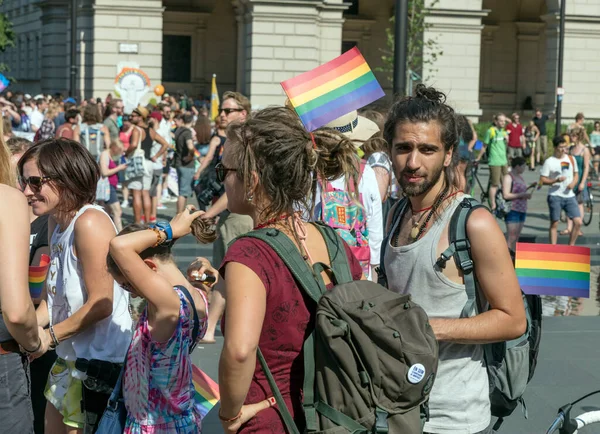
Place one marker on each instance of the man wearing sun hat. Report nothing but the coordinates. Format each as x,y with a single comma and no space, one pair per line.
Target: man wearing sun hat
354,126
360,129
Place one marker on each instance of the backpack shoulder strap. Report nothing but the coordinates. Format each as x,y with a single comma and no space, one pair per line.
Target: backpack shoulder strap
289,254
196,328
460,249
340,267
394,214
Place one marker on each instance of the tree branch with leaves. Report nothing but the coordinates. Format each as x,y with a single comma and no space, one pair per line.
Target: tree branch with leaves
7,37
417,44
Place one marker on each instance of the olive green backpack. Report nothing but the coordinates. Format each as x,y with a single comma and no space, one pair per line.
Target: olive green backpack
371,360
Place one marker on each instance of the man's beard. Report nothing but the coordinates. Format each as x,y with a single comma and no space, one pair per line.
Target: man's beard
412,190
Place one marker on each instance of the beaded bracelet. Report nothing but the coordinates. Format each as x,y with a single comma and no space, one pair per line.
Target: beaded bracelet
55,341
159,236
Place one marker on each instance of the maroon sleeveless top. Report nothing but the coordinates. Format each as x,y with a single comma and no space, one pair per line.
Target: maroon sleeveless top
289,319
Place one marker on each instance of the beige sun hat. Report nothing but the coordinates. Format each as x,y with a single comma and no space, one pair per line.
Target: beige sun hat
357,128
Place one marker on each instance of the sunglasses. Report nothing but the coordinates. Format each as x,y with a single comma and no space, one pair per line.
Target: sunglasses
34,182
229,110
221,172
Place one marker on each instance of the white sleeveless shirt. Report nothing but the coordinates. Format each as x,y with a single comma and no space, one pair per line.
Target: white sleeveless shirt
108,339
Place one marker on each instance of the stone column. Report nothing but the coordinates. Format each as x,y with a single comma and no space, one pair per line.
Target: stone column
138,24
282,40
581,66
55,46
456,26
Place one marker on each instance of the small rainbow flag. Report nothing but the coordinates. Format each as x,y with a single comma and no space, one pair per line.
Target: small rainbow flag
332,90
207,391
564,165
37,276
546,269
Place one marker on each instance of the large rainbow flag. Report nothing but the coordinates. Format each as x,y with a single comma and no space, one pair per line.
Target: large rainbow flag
546,269
207,391
37,276
332,90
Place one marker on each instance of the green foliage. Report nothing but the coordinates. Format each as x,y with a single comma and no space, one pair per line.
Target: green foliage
417,26
7,37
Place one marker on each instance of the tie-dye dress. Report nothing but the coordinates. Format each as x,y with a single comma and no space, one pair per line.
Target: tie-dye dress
157,385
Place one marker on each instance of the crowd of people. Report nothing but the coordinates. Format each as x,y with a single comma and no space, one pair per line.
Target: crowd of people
568,170
388,184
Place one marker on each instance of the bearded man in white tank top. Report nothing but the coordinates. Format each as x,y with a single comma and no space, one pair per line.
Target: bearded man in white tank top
423,136
86,310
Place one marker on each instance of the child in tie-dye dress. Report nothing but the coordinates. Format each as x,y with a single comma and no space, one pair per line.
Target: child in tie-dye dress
157,382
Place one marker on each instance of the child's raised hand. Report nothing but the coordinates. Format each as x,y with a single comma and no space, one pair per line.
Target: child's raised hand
180,224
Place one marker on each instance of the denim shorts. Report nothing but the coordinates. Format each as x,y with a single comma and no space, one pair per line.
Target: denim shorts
515,217
558,203
113,195
185,176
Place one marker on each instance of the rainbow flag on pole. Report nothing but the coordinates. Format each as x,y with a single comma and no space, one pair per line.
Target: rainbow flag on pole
332,90
214,99
546,269
37,276
207,391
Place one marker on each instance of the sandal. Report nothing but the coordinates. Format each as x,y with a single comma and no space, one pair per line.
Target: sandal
565,232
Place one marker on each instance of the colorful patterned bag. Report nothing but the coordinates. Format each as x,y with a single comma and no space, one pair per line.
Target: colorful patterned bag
340,211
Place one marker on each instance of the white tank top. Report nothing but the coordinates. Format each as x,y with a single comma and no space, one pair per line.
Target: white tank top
108,339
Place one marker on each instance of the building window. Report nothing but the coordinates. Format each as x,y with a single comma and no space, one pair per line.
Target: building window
353,9
177,58
348,45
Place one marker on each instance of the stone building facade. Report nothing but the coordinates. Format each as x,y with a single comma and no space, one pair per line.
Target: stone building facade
498,55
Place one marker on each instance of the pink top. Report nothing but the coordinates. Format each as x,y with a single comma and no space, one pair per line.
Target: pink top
125,137
113,179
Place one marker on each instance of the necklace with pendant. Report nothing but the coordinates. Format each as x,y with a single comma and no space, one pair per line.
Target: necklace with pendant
414,232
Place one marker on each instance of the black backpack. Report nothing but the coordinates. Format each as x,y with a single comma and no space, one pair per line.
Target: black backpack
371,360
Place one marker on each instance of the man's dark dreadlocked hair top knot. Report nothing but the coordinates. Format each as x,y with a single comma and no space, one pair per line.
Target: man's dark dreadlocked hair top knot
430,94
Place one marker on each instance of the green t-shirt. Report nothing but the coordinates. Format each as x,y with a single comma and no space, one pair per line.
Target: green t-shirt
495,141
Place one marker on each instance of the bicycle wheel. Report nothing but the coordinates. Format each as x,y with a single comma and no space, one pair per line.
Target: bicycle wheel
588,208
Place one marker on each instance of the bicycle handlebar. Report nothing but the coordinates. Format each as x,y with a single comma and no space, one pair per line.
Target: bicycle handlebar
579,422
557,424
587,418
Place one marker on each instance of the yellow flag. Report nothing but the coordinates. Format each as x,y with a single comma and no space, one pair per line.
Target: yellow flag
214,99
